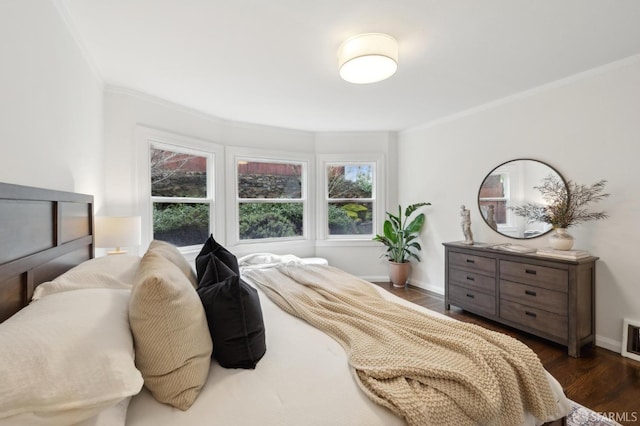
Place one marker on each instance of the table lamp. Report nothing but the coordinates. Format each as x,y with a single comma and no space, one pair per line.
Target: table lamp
117,231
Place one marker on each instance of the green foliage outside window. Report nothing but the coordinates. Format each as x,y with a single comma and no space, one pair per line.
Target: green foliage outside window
357,212
173,216
350,219
182,224
339,221
270,220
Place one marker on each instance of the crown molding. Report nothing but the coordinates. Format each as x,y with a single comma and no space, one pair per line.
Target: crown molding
119,90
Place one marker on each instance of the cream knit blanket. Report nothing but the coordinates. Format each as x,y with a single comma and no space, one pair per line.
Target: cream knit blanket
429,370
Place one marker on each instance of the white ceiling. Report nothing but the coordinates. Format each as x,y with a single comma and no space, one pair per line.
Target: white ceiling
274,62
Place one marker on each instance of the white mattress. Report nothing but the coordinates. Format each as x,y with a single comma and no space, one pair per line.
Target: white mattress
303,379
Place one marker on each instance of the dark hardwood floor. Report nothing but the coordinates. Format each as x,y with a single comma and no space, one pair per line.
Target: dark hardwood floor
600,379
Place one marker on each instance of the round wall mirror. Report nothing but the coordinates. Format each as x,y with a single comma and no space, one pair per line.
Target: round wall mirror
513,184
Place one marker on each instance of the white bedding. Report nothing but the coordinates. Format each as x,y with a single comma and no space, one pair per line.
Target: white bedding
303,379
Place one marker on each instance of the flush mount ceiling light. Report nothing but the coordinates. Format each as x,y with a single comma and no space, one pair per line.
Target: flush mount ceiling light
368,58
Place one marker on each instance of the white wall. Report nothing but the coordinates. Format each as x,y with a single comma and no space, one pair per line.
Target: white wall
588,128
50,103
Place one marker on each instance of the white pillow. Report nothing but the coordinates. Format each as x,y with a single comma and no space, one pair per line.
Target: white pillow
117,271
114,415
66,357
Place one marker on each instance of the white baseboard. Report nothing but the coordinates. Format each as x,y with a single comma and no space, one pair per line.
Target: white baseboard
385,278
610,344
429,287
376,278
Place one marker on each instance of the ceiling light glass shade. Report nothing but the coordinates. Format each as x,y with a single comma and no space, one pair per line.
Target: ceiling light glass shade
368,58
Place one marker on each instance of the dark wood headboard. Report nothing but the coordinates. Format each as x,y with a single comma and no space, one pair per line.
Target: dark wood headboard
43,233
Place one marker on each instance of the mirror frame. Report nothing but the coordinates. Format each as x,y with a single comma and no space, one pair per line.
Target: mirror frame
493,170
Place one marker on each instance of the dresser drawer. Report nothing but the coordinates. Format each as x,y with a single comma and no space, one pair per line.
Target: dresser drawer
471,299
473,280
537,319
479,264
551,298
539,276
548,300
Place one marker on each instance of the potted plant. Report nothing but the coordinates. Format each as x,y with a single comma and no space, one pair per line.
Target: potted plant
566,207
400,239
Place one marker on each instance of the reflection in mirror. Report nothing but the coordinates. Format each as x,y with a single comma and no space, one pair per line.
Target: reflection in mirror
512,184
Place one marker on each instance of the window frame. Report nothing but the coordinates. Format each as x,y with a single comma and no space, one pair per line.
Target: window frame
236,154
508,184
214,153
378,195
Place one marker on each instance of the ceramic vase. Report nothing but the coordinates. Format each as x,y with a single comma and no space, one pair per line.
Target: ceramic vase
398,273
560,239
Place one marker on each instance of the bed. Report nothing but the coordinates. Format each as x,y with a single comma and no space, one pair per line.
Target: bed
47,252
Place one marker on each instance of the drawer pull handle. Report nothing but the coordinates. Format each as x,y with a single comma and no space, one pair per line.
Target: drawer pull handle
471,278
530,314
530,271
471,261
530,293
471,296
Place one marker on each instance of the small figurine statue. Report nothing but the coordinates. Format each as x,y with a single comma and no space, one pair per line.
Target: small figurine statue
466,225
491,219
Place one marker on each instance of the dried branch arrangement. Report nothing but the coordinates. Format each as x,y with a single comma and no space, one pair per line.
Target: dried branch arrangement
566,204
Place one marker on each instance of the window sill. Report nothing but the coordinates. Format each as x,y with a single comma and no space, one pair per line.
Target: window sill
347,242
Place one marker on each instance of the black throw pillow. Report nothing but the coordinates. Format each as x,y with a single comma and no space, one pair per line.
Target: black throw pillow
234,316
211,246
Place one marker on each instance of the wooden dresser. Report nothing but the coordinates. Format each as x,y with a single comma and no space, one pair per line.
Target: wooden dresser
548,297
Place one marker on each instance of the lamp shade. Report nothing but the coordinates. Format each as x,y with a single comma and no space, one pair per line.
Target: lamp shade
116,232
368,58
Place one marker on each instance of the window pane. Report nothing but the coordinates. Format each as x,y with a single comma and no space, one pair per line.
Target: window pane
174,174
269,180
493,187
500,210
350,181
270,220
350,218
181,224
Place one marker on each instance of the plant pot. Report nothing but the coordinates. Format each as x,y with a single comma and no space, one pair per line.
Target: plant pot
398,273
560,239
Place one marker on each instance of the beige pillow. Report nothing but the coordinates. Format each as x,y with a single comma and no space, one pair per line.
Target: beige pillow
172,341
171,253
